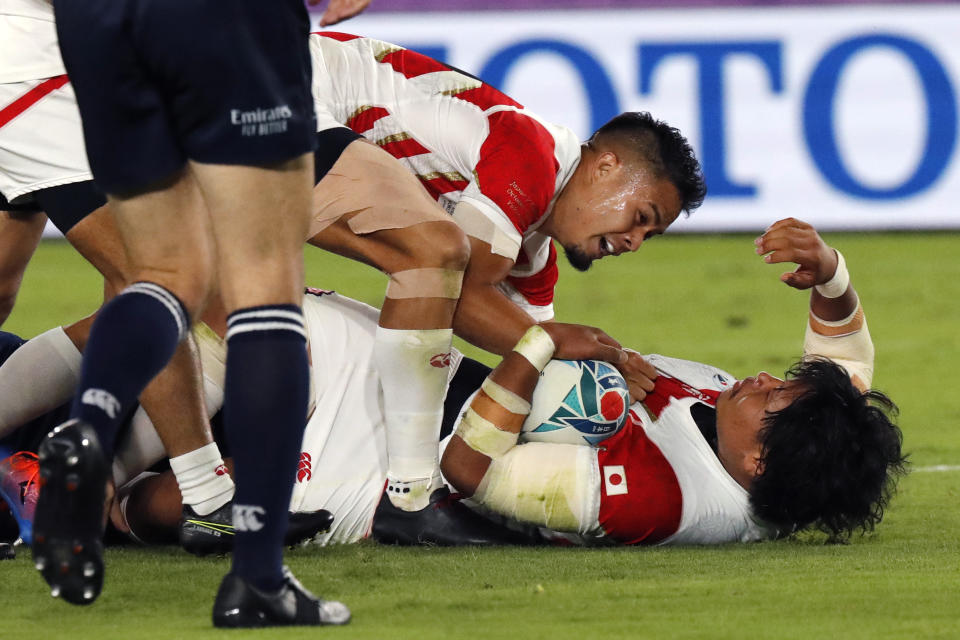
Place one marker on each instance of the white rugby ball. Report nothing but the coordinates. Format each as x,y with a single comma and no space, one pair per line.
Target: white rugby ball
577,402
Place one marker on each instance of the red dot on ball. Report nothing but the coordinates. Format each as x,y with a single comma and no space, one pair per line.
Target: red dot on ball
611,405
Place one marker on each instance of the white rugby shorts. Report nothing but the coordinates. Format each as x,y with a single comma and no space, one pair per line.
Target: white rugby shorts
41,138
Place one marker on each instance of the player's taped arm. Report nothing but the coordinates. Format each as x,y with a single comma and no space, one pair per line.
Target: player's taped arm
845,340
536,483
543,484
493,421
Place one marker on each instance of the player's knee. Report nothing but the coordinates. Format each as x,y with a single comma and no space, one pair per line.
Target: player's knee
191,285
447,246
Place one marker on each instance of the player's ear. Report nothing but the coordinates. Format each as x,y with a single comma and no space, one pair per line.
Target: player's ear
755,465
605,163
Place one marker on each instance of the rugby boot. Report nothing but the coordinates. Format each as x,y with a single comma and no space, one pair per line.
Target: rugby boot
19,488
213,533
302,527
445,522
209,534
68,522
240,604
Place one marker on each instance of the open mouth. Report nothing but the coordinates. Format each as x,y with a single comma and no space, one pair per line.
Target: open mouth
606,247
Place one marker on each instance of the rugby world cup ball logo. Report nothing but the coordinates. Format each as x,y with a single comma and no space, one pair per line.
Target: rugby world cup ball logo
577,402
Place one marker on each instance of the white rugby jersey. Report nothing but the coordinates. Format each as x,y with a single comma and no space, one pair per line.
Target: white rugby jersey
28,41
464,140
343,456
661,482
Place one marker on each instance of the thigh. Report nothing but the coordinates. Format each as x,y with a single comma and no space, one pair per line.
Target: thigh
259,217
97,238
166,235
19,236
370,208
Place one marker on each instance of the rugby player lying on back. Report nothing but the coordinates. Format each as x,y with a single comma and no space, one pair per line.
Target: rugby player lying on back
666,477
703,459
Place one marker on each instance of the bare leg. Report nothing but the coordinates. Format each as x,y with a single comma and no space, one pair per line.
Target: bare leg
19,236
260,217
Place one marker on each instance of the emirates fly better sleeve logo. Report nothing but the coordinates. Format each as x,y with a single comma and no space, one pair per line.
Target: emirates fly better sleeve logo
261,122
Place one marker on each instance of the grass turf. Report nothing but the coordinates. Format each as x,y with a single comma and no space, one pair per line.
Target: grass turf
702,297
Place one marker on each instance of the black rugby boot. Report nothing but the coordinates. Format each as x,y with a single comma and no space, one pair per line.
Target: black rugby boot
68,523
444,522
240,604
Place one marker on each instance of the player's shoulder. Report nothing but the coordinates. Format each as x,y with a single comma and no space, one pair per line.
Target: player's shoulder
698,374
518,166
519,130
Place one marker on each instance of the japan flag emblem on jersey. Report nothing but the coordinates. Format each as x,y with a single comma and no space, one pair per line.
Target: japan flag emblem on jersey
614,480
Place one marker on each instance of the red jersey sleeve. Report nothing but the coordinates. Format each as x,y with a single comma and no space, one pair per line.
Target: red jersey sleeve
517,169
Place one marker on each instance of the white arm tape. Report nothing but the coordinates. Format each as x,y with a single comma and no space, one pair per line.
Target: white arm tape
536,346
545,484
852,351
505,398
837,285
484,437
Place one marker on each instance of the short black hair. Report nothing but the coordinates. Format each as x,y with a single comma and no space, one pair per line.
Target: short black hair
663,147
831,459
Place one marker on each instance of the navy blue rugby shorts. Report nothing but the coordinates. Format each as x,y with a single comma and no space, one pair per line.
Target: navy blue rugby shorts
162,81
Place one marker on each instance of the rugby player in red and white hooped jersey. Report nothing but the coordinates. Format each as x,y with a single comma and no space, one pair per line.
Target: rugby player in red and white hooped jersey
512,181
704,459
685,469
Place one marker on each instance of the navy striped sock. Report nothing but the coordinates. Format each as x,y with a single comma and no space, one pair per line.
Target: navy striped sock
132,339
265,410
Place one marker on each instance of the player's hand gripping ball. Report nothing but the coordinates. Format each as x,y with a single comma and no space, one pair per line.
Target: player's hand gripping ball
577,402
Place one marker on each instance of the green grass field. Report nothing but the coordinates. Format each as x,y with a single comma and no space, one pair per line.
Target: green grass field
701,297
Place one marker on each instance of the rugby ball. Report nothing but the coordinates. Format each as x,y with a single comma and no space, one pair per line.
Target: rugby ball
577,402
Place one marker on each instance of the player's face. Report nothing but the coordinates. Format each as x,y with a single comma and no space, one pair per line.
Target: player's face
741,410
610,208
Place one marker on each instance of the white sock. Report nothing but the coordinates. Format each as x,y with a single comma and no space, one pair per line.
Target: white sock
39,376
203,479
413,366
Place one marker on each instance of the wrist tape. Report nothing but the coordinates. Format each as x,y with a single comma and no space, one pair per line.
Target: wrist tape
536,346
837,285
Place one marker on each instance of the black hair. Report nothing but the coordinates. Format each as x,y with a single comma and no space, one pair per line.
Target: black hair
664,149
831,459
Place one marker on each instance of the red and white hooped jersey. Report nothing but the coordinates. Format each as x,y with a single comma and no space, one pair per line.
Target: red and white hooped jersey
661,482
464,140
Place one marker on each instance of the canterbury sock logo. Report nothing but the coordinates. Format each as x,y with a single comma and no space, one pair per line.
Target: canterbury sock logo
248,517
304,467
221,470
440,360
103,400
